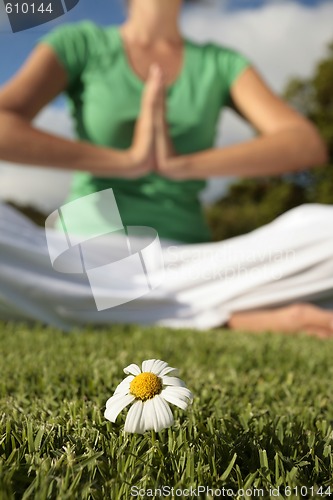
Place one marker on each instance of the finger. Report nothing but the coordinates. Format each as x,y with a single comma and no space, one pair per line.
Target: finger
148,104
150,96
162,139
161,94
160,108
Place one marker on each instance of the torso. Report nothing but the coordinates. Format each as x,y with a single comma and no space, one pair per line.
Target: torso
105,96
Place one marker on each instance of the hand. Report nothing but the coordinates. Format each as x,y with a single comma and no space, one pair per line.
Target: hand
142,152
168,163
152,148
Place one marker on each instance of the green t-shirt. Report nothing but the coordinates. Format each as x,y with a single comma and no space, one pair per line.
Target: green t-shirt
104,95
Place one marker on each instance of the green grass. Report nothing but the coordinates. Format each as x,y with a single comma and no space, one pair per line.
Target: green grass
261,418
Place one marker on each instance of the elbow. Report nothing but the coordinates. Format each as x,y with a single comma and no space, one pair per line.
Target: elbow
10,133
321,156
315,150
324,158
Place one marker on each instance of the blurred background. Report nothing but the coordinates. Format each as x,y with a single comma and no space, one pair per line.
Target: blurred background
291,44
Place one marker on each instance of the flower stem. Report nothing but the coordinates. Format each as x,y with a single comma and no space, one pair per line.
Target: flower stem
153,437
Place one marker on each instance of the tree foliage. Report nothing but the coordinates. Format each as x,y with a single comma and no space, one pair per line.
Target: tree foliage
251,203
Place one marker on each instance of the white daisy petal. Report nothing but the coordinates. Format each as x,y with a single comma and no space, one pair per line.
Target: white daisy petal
173,381
180,392
163,415
168,370
174,400
132,369
177,395
124,386
149,414
158,366
134,422
147,365
113,399
116,404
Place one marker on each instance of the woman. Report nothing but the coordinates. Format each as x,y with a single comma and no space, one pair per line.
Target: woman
146,104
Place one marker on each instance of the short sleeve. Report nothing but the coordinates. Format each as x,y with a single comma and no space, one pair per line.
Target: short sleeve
231,65
71,45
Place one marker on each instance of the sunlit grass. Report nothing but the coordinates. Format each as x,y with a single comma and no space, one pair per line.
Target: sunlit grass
261,418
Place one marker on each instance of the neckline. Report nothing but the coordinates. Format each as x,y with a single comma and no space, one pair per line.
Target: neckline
136,79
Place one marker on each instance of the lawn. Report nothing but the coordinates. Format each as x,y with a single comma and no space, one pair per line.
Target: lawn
261,419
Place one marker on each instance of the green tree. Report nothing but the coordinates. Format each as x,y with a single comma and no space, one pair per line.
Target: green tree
253,202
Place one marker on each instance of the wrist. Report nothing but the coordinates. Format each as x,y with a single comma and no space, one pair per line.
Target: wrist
102,161
176,167
133,159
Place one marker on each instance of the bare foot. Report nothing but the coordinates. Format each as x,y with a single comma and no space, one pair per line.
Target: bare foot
290,319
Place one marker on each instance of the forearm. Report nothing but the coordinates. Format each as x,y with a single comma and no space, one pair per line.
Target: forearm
20,142
285,151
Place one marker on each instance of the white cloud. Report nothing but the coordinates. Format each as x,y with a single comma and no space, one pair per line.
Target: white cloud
282,39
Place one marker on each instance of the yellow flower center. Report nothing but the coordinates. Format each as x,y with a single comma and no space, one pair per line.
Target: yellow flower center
146,386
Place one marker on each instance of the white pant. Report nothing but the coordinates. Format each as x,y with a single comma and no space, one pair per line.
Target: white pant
288,260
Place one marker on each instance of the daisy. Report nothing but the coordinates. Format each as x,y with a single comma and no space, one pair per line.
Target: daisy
150,390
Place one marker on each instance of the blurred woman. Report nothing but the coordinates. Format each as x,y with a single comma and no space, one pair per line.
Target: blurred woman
146,104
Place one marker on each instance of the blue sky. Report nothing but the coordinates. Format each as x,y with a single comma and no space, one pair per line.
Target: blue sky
19,45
